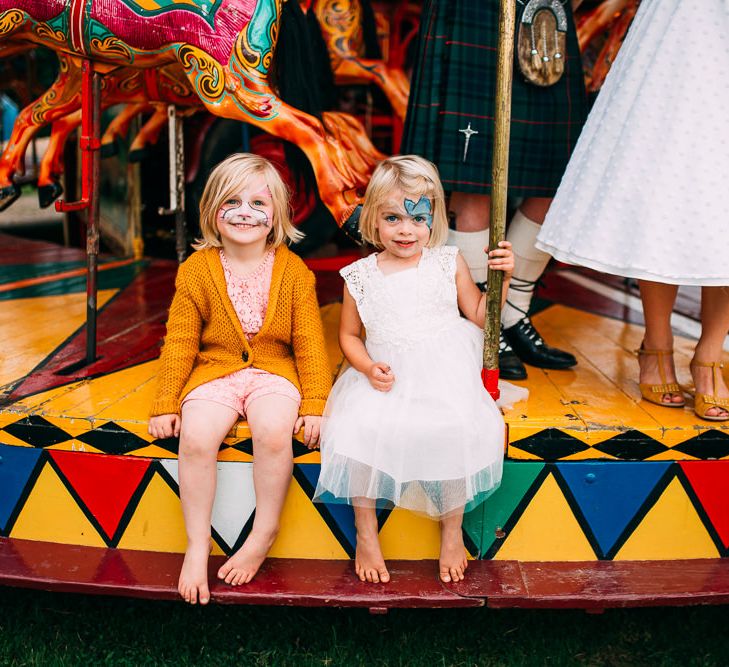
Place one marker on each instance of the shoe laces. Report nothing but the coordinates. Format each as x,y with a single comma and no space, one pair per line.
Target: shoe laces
525,324
503,345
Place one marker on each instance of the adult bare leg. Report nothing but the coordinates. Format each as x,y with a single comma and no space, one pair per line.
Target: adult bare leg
204,425
658,300
271,419
714,328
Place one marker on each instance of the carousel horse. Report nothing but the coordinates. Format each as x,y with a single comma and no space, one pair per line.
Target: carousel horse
224,48
342,23
612,17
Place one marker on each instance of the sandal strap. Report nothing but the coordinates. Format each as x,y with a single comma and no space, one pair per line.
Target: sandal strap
714,401
661,354
708,364
669,388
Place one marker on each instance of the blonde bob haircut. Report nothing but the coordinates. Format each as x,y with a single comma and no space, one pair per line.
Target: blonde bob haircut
415,177
227,180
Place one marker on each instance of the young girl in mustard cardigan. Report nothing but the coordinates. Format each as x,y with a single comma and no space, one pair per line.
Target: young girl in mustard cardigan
244,339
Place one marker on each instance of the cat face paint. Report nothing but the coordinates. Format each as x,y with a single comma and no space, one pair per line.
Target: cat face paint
251,207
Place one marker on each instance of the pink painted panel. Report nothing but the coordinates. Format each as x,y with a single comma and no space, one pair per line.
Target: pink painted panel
177,25
41,10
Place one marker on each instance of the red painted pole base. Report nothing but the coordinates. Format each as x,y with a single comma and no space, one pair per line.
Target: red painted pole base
490,379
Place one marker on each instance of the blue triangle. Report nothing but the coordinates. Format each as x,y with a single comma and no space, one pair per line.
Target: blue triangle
16,466
338,511
610,494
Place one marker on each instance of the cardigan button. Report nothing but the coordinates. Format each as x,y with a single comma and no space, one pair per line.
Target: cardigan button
244,355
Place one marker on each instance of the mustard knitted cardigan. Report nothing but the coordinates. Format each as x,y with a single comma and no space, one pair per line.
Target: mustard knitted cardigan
205,339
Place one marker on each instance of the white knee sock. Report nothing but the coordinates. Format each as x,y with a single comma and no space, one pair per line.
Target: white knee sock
472,246
529,264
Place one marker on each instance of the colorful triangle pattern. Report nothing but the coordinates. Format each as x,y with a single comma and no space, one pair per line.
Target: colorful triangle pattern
17,466
610,494
105,484
235,500
709,482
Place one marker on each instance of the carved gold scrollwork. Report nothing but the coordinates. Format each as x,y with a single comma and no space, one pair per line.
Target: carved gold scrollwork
209,78
10,20
112,46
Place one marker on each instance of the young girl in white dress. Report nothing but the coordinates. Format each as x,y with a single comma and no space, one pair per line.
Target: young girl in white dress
410,424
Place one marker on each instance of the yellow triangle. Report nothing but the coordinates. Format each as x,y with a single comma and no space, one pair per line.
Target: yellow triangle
546,531
304,534
410,536
157,524
50,514
671,530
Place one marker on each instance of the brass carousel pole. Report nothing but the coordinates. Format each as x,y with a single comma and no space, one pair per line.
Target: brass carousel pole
499,180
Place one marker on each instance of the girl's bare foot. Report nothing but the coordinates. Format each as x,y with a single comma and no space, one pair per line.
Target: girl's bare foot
193,583
369,563
242,566
453,560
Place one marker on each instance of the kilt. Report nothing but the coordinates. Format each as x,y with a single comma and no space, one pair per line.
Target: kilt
454,83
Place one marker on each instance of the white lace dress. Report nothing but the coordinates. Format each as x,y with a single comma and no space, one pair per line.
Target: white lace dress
642,194
434,443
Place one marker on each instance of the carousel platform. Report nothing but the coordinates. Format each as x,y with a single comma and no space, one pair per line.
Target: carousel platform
598,484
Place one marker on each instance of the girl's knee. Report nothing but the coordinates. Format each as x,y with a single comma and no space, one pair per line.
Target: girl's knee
273,441
192,445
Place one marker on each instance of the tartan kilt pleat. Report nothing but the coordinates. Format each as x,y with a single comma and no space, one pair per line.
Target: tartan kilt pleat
453,84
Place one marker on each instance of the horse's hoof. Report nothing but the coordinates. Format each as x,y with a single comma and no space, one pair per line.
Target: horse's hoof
47,194
8,195
138,154
350,226
110,149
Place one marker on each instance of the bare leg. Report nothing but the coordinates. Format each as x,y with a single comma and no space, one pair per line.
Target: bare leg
472,211
368,563
714,328
453,559
271,419
535,208
658,300
204,425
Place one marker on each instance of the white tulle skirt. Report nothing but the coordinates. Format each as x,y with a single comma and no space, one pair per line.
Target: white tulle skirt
433,444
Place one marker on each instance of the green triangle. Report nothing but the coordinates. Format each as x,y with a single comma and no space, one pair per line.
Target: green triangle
481,523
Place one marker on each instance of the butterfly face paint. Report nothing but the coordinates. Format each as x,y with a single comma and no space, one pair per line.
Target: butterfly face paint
420,211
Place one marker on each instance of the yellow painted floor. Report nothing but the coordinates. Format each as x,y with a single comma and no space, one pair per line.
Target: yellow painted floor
594,408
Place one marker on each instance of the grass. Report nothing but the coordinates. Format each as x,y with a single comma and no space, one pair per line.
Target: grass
38,628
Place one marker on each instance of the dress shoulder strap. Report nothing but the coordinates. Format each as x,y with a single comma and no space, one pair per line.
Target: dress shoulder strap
355,276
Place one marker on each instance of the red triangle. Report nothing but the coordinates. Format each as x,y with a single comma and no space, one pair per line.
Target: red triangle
104,483
709,480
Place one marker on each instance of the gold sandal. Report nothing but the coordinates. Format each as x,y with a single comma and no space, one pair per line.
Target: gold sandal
653,392
704,402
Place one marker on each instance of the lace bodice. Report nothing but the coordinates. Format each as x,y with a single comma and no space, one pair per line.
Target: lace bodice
403,308
249,293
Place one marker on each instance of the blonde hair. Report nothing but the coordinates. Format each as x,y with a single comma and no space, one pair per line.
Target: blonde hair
227,180
414,176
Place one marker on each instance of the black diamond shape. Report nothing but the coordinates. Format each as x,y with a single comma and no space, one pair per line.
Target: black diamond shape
37,431
113,439
712,444
631,446
247,447
550,444
170,444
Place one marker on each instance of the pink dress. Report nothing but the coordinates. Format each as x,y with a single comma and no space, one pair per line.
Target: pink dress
249,296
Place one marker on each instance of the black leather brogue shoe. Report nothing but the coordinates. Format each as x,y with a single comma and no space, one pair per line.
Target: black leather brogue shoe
510,366
530,347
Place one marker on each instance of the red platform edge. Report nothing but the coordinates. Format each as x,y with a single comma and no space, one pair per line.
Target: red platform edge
594,585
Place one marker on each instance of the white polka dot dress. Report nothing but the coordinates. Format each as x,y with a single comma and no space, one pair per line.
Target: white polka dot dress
645,194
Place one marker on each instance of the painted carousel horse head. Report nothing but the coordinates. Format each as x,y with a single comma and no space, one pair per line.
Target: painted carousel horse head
224,49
